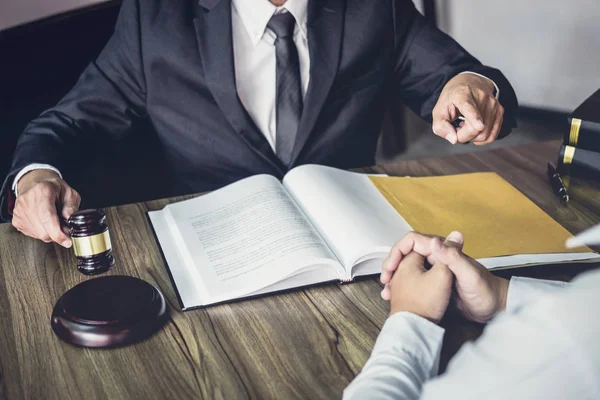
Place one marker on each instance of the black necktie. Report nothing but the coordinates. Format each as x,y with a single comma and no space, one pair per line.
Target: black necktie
289,91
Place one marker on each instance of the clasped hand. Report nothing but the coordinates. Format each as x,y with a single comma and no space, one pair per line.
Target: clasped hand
453,280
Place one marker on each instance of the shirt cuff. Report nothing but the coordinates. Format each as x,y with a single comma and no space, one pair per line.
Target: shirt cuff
412,334
523,290
497,94
29,168
405,356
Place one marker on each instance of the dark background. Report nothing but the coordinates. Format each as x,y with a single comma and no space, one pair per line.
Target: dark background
41,61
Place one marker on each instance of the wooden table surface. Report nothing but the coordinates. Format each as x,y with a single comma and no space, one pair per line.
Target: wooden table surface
304,344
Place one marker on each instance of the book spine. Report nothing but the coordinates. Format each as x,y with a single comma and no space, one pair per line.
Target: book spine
583,134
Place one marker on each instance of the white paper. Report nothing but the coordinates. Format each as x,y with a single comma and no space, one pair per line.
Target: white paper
534,259
589,237
351,215
243,238
187,284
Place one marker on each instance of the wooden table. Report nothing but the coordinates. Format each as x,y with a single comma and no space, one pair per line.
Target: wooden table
305,344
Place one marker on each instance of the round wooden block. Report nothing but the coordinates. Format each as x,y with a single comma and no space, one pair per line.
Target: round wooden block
108,312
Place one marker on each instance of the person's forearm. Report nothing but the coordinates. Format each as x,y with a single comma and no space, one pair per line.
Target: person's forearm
406,355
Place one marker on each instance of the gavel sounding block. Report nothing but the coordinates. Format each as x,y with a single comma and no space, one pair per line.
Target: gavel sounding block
111,311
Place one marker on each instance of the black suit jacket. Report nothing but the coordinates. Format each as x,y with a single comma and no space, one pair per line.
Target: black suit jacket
171,64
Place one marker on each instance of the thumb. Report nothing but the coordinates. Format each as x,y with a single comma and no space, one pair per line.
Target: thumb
450,253
444,129
460,264
455,239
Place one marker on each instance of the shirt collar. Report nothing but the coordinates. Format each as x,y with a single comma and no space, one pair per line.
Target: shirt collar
255,15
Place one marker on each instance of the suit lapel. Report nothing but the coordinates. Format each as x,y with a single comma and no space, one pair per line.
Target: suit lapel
325,29
215,42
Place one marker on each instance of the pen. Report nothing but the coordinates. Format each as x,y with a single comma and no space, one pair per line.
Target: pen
456,122
558,186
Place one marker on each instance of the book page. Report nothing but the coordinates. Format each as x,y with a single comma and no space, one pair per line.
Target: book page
355,220
245,237
183,278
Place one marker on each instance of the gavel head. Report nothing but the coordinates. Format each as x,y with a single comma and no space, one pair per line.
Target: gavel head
91,241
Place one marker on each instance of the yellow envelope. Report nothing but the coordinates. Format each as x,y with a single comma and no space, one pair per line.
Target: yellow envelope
494,217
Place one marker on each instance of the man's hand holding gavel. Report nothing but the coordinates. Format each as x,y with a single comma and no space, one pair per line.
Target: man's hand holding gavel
44,199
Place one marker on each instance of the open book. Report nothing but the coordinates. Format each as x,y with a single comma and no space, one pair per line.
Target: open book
260,235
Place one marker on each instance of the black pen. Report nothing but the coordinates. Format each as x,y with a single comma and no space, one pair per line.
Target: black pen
457,121
558,186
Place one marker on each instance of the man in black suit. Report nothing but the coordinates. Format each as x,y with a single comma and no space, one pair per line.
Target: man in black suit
235,88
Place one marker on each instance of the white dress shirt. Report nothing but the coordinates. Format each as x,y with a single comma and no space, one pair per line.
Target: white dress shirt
546,345
255,60
256,63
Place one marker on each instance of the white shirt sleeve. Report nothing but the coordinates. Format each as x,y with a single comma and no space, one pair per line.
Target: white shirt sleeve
483,76
523,290
546,349
406,354
29,168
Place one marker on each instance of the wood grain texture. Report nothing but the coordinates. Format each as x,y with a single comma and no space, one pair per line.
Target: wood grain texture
304,344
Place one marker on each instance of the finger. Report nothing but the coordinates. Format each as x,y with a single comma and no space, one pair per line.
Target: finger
459,263
49,223
55,232
467,133
71,201
412,263
498,121
468,108
390,264
481,139
483,136
444,129
455,239
412,241
21,224
489,119
416,242
386,293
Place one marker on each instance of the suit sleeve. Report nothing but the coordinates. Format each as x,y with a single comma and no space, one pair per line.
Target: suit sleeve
427,58
106,101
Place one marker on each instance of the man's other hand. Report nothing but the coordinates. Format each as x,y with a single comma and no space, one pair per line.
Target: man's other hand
479,294
472,97
44,198
422,292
